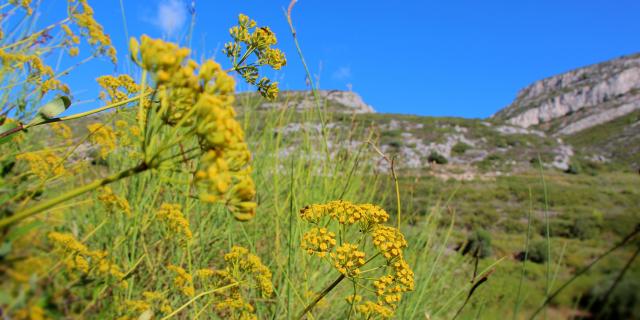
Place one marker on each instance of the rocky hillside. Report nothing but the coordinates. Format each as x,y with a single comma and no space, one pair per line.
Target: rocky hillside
589,117
580,99
332,100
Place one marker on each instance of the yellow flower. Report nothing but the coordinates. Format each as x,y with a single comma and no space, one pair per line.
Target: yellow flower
183,280
318,241
171,215
240,259
82,14
389,241
371,310
44,164
248,38
347,259
118,88
78,256
113,202
103,136
63,131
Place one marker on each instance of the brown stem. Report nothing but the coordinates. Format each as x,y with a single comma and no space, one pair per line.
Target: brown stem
320,296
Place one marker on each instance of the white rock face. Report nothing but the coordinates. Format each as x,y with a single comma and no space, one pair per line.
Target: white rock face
585,97
351,101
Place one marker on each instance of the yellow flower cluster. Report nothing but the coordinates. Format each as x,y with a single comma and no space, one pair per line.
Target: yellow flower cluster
40,74
318,241
248,39
151,300
202,97
240,260
30,312
113,202
127,134
103,136
389,241
372,310
25,4
63,131
71,40
89,262
82,14
347,259
345,212
117,88
243,271
176,222
183,280
44,164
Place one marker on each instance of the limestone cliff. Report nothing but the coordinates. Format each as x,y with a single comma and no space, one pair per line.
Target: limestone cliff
580,99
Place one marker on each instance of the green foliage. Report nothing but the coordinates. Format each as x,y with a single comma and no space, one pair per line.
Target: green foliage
437,158
460,148
478,244
538,252
621,303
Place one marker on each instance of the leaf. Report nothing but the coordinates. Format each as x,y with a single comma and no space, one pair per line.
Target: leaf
51,109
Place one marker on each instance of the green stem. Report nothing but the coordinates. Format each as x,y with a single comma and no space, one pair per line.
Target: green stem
624,241
48,204
321,295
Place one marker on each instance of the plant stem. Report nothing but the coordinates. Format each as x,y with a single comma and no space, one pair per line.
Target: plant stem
71,194
624,241
320,296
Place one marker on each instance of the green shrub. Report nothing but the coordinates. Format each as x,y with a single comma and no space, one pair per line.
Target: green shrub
437,158
584,228
478,244
538,252
460,148
621,303
574,168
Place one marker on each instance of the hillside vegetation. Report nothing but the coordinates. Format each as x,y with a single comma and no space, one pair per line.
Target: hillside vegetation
176,197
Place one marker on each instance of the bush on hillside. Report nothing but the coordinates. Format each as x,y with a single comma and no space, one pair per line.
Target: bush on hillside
460,148
437,158
478,244
538,252
621,303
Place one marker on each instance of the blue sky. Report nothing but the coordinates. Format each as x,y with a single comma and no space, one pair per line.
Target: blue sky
453,58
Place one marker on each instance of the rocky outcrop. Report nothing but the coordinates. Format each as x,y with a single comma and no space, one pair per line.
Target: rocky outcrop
579,99
335,100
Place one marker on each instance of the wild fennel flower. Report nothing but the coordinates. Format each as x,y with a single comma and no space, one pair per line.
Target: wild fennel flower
239,259
183,280
318,241
117,88
82,14
151,300
176,222
389,241
371,310
247,39
245,273
103,136
199,98
25,4
63,131
30,312
395,277
347,259
44,164
113,202
78,256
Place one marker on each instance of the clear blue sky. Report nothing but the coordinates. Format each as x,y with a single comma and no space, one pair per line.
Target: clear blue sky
454,58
